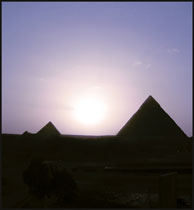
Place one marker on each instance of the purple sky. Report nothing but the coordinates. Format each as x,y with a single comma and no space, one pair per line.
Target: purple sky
55,54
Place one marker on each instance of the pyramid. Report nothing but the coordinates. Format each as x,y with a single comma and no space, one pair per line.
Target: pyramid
48,130
151,120
26,133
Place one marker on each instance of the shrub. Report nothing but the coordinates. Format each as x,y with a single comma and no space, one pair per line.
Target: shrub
49,179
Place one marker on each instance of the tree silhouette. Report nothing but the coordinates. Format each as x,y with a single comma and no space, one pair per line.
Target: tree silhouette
49,179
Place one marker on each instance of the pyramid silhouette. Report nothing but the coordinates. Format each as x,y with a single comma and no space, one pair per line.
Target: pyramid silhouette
26,133
151,120
48,129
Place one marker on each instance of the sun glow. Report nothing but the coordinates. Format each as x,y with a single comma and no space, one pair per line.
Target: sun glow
90,111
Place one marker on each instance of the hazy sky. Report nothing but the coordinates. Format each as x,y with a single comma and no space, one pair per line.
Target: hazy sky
58,55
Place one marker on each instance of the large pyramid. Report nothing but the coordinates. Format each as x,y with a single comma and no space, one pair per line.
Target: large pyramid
48,130
151,120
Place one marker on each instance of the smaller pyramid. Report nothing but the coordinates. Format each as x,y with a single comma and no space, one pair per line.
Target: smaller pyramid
48,130
26,133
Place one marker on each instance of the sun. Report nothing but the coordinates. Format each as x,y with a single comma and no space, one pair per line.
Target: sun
90,111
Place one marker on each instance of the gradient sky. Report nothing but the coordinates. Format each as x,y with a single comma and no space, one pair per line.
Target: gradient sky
54,53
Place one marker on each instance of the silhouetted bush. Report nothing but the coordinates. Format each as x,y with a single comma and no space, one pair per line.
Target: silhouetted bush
49,179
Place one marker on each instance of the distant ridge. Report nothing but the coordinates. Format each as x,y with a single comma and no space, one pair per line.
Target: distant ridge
151,120
48,130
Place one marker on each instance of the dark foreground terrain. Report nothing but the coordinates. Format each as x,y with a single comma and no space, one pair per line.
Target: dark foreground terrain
108,171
